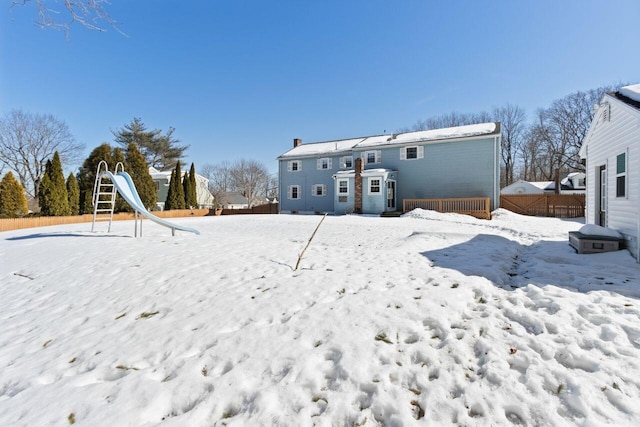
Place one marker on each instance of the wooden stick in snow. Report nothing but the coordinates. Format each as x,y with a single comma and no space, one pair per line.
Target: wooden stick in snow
308,243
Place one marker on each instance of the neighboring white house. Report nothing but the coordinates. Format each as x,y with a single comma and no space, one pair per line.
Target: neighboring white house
526,187
612,152
162,180
573,183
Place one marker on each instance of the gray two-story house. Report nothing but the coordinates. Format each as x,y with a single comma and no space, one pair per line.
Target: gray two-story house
375,174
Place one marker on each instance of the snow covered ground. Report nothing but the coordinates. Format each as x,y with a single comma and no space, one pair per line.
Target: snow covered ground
426,319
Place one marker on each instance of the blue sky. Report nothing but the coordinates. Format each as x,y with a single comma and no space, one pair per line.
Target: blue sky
241,79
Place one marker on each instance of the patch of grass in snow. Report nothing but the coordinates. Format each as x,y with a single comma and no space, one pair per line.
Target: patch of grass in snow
316,399
71,418
126,368
415,391
229,413
146,315
383,337
46,344
454,286
560,388
121,316
72,360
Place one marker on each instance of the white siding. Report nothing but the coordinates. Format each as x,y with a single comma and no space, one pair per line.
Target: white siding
607,139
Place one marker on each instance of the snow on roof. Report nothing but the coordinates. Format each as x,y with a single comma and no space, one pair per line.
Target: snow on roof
632,92
543,184
366,172
431,135
334,147
328,147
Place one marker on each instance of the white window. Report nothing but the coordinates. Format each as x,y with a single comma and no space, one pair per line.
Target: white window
324,163
410,153
621,175
293,192
346,162
319,190
343,187
374,185
372,157
294,165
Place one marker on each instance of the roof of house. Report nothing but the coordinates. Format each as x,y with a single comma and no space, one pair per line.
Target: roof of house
234,198
427,136
629,95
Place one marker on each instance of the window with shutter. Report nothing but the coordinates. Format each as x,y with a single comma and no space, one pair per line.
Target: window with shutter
621,175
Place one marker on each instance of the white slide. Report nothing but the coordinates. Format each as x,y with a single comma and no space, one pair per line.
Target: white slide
126,188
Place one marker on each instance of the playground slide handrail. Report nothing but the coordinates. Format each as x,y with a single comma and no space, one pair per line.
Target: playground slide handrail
127,189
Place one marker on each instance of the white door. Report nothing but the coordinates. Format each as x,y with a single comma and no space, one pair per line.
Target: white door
391,195
602,214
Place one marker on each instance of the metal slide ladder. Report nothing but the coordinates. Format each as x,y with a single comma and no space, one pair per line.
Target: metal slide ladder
104,195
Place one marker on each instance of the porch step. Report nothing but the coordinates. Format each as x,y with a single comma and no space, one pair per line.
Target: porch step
391,214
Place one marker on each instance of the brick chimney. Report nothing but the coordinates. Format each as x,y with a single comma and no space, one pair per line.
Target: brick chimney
357,202
296,142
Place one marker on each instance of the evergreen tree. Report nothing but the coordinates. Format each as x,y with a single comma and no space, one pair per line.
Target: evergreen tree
73,193
192,198
175,196
160,151
13,202
186,189
87,175
53,190
139,171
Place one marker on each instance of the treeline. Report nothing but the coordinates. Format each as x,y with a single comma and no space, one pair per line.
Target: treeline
537,150
139,149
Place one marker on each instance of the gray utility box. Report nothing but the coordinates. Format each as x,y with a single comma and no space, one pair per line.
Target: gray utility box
593,244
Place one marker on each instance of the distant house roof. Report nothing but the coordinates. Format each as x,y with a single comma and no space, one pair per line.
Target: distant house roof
233,198
427,136
543,185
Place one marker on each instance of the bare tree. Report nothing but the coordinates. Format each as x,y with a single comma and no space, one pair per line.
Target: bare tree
513,127
28,140
250,178
448,120
219,176
560,130
88,13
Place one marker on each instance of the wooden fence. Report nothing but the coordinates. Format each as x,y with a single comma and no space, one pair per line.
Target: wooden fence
7,224
553,205
478,207
269,208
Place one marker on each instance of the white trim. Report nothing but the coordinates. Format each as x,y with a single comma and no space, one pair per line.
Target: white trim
339,193
290,192
290,164
625,174
321,162
370,183
419,152
377,154
314,190
343,162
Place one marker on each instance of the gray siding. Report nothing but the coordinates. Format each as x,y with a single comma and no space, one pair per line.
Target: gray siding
607,139
448,170
345,207
306,178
